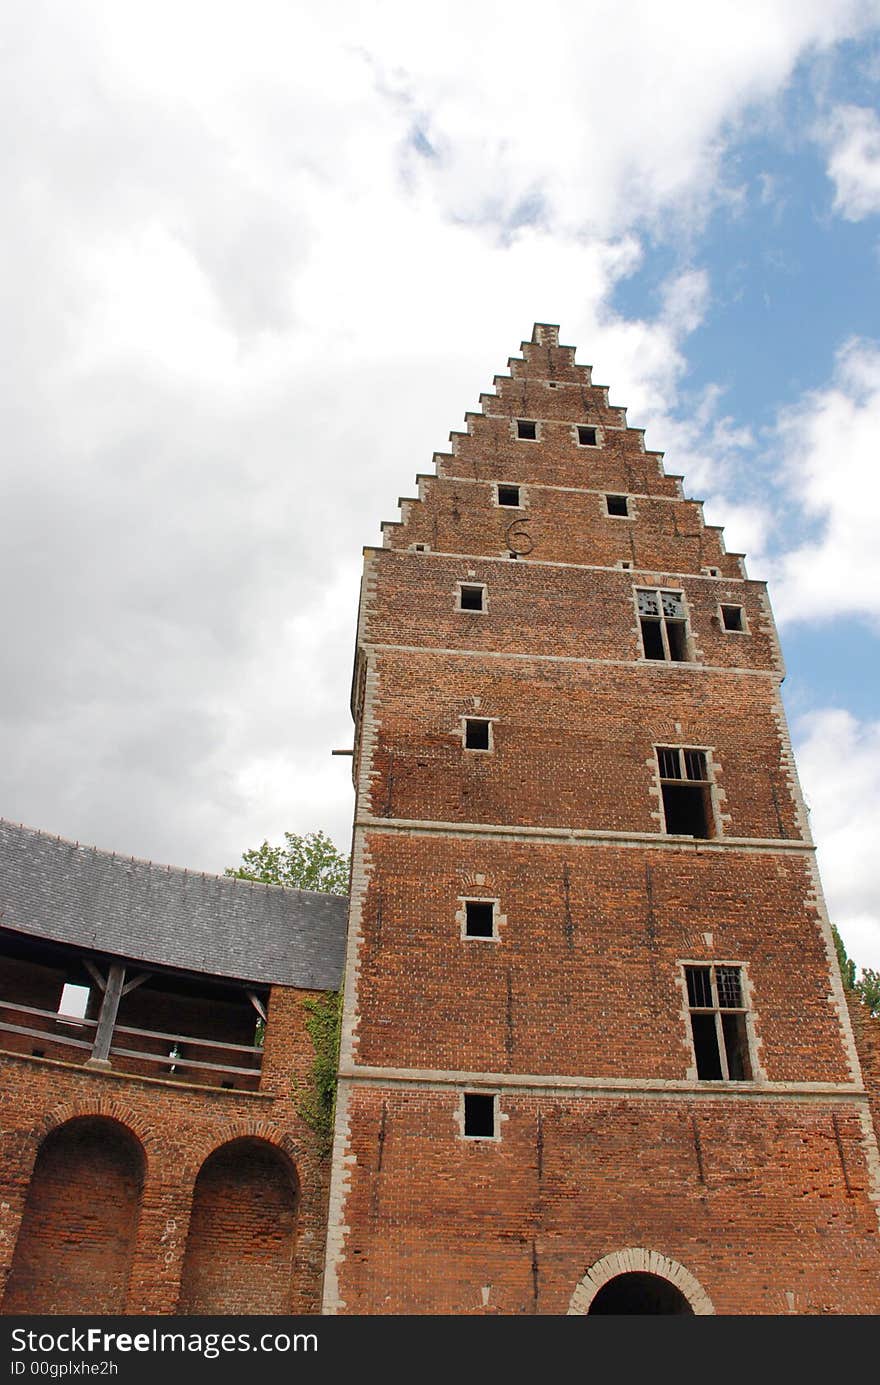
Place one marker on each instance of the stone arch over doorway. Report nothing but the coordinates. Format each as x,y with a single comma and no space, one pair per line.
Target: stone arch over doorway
242,1231
631,1272
76,1240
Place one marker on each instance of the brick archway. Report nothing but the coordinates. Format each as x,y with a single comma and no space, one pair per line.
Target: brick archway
239,1255
638,1261
76,1240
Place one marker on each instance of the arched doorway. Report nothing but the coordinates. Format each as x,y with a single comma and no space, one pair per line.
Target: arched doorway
636,1280
242,1232
639,1293
76,1240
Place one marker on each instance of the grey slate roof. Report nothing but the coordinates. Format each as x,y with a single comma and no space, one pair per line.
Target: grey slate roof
59,890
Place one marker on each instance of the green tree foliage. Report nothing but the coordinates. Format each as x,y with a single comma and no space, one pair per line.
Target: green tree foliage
847,965
867,986
311,862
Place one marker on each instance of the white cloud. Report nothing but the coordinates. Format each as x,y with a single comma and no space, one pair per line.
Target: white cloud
852,135
248,303
829,441
839,763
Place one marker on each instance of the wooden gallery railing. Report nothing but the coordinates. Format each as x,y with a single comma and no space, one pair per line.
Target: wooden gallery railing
163,1054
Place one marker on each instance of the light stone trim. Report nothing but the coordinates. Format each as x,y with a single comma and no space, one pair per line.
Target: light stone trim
651,573
872,1157
340,1184
661,665
478,831
556,1084
636,1260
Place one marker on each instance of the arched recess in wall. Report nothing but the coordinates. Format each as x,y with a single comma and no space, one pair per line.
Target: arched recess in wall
76,1240
639,1281
242,1232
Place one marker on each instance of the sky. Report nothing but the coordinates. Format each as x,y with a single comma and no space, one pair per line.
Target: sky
259,260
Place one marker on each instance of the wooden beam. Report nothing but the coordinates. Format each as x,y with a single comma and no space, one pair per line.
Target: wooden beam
136,981
94,973
107,1019
258,1006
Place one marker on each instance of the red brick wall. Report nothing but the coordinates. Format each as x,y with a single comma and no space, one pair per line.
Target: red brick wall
766,1191
76,1241
755,1204
239,1251
179,1126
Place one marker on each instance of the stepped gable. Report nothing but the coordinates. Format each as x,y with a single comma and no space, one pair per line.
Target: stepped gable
500,491
67,893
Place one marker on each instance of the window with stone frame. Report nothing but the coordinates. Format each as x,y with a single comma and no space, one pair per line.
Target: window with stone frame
686,791
719,1021
663,621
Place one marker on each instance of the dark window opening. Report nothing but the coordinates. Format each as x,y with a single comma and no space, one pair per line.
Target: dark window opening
38,1053
586,436
626,564
617,504
476,733
732,618
527,429
419,547
685,810
664,625
513,554
684,784
471,598
479,1115
652,639
508,495
479,918
718,1024
706,1048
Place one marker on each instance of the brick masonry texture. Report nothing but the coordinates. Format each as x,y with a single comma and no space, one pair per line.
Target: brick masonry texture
255,1242
764,1192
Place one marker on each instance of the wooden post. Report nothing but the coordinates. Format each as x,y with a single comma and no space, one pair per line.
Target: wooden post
107,1019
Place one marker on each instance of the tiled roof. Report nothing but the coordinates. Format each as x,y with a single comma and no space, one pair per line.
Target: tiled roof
59,890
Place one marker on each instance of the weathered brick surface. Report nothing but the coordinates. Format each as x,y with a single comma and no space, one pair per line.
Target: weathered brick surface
764,1193
751,1197
585,977
177,1126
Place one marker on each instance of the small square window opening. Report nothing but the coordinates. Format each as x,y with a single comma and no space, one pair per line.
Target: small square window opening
508,495
477,733
471,598
732,618
719,1024
479,1116
74,1001
526,429
617,505
479,918
586,436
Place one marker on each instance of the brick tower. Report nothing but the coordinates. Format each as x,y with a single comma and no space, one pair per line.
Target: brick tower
596,1055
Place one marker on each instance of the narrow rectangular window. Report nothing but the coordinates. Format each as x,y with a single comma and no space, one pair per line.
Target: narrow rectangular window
479,918
479,1116
617,505
663,624
471,598
526,429
686,791
508,495
732,618
719,1023
477,733
586,436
